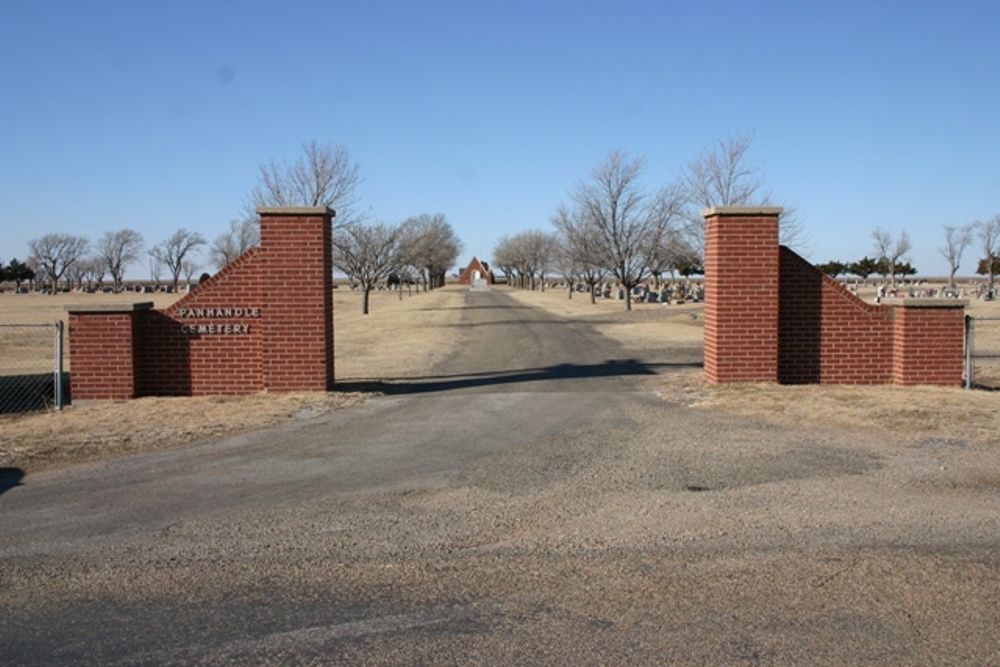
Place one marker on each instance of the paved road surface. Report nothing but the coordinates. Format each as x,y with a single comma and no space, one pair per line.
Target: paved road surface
529,502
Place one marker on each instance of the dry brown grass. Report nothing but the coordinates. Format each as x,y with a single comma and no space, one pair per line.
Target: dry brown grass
398,338
404,337
930,412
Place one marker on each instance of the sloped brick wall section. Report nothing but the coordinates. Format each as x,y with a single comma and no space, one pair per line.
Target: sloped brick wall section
771,316
262,323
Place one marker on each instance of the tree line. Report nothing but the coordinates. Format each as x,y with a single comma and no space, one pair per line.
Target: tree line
614,227
418,250
890,254
73,260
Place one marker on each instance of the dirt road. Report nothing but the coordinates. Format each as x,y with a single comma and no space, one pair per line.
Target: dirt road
526,501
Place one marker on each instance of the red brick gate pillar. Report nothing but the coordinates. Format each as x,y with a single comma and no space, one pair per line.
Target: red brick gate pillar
741,294
928,341
297,303
102,345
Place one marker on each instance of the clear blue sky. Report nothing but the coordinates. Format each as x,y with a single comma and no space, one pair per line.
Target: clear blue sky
157,115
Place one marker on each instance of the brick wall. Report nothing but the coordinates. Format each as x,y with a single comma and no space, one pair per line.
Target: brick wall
262,323
929,343
772,316
298,291
828,335
103,354
741,262
190,350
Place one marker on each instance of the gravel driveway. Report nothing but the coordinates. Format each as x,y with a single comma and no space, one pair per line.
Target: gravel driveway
528,501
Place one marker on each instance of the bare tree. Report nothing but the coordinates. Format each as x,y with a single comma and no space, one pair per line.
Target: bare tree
956,240
890,253
56,253
242,235
565,266
538,250
325,175
669,245
509,254
882,244
504,259
430,246
725,176
155,270
900,249
189,267
117,250
988,233
625,219
172,252
76,273
580,251
91,269
368,254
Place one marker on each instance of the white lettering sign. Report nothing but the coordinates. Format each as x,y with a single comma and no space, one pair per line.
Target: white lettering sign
216,313
219,313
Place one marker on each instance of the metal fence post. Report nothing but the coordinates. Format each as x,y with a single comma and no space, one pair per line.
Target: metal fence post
59,365
968,352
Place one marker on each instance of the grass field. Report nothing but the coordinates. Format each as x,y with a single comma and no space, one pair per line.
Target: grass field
404,336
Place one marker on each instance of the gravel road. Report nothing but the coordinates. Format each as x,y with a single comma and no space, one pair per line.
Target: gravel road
529,500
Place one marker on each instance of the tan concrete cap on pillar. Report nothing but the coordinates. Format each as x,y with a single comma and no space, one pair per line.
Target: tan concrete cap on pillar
923,302
108,307
742,211
296,210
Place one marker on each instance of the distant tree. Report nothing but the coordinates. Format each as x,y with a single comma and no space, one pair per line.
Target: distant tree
242,235
325,175
669,244
503,260
429,247
882,241
172,251
18,272
984,267
507,256
91,270
189,267
39,276
117,250
368,254
725,176
904,269
75,273
832,268
626,220
888,252
56,253
689,265
541,249
956,240
863,267
531,253
564,266
988,234
155,270
579,250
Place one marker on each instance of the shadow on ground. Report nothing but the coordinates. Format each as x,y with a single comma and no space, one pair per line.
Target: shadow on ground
9,478
434,383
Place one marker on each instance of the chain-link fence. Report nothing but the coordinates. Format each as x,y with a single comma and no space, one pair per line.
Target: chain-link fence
982,352
31,369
